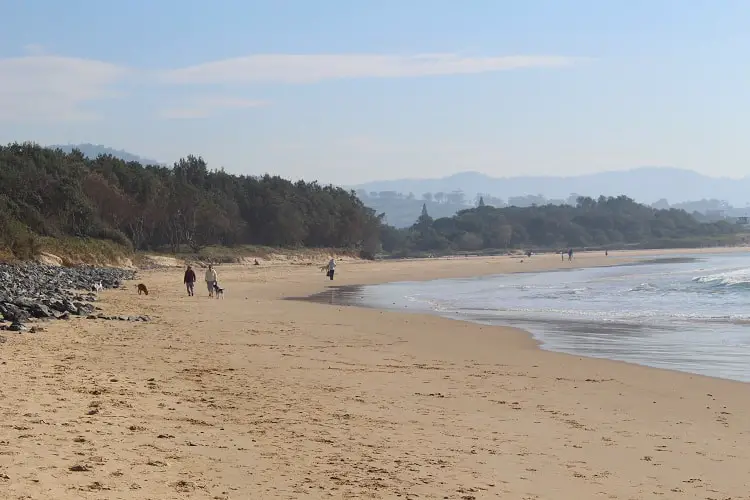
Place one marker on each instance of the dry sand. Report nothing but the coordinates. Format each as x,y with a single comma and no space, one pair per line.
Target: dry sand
257,397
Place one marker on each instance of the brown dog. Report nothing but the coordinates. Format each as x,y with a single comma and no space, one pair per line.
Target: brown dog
142,289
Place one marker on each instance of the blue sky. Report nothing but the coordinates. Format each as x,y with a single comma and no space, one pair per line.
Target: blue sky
347,92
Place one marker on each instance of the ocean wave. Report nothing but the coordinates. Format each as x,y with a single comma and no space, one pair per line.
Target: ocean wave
427,303
644,287
737,278
654,318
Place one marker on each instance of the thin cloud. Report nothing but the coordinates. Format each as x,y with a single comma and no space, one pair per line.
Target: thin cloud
289,68
208,106
40,87
43,87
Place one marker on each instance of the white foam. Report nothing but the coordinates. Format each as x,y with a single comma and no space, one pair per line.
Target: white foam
728,278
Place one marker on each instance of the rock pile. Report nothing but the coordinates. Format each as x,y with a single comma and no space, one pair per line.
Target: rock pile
35,290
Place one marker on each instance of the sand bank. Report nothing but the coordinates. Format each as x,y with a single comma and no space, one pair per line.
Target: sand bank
257,397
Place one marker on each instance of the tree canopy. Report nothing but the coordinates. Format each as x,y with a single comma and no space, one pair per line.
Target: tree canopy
606,221
52,193
49,192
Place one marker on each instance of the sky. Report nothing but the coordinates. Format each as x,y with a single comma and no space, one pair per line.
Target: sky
348,92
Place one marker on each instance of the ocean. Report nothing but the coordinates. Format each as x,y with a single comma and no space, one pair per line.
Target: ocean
689,314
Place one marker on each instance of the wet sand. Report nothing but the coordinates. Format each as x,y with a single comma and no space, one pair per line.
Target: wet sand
254,396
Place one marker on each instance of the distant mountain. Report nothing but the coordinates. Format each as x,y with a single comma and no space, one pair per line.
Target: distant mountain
645,185
94,150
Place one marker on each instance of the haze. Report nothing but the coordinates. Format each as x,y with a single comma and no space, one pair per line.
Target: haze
349,92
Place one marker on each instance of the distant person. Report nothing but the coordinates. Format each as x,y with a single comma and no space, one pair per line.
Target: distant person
570,254
331,268
606,253
211,279
189,281
562,255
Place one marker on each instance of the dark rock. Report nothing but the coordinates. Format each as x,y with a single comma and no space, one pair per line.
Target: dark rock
12,312
70,307
41,311
42,291
58,306
17,327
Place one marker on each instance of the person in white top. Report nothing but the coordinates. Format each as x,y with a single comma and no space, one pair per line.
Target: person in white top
211,279
331,268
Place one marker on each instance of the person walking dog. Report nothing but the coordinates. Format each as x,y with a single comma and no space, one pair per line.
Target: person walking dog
211,278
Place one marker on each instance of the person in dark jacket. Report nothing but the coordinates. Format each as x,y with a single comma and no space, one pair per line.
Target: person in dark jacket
189,281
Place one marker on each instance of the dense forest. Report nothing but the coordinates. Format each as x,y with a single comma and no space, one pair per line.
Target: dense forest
50,193
401,210
609,222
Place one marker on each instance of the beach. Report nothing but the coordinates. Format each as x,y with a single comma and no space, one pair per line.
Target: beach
259,396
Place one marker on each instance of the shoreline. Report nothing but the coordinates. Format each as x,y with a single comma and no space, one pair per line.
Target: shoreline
259,396
354,296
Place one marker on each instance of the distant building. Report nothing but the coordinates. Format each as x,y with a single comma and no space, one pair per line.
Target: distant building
742,221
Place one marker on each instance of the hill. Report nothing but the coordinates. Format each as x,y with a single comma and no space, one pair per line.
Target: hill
49,193
401,211
645,185
91,151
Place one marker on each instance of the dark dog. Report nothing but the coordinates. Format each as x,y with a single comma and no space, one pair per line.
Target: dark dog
142,289
218,291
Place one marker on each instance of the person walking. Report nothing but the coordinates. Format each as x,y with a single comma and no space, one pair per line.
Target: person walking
331,268
189,281
211,279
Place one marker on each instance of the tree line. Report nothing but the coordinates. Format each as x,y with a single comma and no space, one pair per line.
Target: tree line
48,192
603,222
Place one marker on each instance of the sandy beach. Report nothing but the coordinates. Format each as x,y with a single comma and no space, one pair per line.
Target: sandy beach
256,396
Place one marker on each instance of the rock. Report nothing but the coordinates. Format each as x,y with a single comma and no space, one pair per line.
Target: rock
24,302
41,291
17,327
12,312
41,311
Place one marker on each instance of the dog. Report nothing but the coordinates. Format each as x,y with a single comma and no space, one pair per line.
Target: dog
324,269
142,289
97,287
218,291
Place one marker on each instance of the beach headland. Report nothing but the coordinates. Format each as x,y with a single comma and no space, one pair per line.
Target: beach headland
254,396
